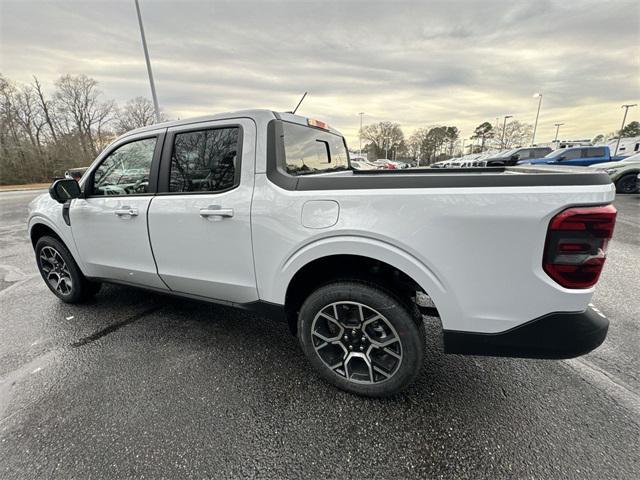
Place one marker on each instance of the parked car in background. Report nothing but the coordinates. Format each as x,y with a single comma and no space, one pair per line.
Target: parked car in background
577,156
386,164
363,165
400,164
75,173
512,157
624,173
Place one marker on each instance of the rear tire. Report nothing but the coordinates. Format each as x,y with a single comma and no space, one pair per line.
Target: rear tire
627,183
362,338
60,272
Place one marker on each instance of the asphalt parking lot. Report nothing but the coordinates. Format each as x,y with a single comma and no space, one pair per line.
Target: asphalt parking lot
141,385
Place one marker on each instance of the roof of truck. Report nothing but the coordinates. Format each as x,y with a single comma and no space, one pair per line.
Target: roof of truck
256,114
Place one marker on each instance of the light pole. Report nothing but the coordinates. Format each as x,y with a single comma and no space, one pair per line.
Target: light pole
504,126
557,125
360,136
624,119
535,125
146,57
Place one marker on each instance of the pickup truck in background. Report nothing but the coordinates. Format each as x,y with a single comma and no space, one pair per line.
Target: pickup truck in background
623,173
261,210
512,157
577,156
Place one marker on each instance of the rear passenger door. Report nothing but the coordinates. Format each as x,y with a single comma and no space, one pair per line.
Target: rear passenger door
596,155
199,222
572,157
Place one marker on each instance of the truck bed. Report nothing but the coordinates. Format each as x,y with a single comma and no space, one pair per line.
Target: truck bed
516,176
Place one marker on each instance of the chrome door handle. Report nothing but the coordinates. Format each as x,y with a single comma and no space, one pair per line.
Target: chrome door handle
216,211
132,212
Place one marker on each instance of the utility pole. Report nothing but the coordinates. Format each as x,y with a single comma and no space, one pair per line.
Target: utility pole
624,119
360,135
535,126
146,57
504,126
557,125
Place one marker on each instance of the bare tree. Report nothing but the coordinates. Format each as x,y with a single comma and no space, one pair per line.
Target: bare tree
138,112
78,101
46,107
516,134
384,137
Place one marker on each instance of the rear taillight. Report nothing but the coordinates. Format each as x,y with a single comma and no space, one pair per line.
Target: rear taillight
576,245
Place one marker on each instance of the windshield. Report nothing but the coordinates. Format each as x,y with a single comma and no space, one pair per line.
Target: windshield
508,153
311,150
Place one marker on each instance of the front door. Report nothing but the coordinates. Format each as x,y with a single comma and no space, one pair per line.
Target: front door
199,222
109,224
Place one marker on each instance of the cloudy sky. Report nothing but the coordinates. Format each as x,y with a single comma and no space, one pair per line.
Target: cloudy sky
416,63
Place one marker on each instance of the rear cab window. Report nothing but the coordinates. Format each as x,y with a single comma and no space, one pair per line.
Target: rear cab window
309,150
595,152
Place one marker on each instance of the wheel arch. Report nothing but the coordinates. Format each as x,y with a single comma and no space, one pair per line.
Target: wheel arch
356,258
39,230
633,171
40,226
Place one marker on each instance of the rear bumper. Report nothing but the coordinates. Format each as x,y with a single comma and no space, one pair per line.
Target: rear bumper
556,335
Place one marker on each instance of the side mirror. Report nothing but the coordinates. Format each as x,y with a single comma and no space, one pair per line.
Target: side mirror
64,189
515,156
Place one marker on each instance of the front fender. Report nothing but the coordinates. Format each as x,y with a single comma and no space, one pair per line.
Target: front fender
45,211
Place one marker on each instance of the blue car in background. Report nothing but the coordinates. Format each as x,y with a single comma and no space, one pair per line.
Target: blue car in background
577,156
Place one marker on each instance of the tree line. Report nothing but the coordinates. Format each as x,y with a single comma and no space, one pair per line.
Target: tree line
42,134
432,144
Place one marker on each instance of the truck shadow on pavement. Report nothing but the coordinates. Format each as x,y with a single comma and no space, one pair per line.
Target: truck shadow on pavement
258,350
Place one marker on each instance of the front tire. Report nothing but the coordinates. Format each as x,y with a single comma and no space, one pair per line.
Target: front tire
627,183
61,273
362,338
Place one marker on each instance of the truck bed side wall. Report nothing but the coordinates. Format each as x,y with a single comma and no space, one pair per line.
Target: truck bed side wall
476,251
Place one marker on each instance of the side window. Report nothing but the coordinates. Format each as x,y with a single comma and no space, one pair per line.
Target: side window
524,154
205,161
573,154
126,170
595,152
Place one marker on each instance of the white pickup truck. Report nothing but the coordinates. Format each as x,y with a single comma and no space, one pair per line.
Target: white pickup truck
261,210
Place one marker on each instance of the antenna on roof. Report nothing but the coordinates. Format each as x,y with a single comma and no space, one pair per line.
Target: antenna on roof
297,106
